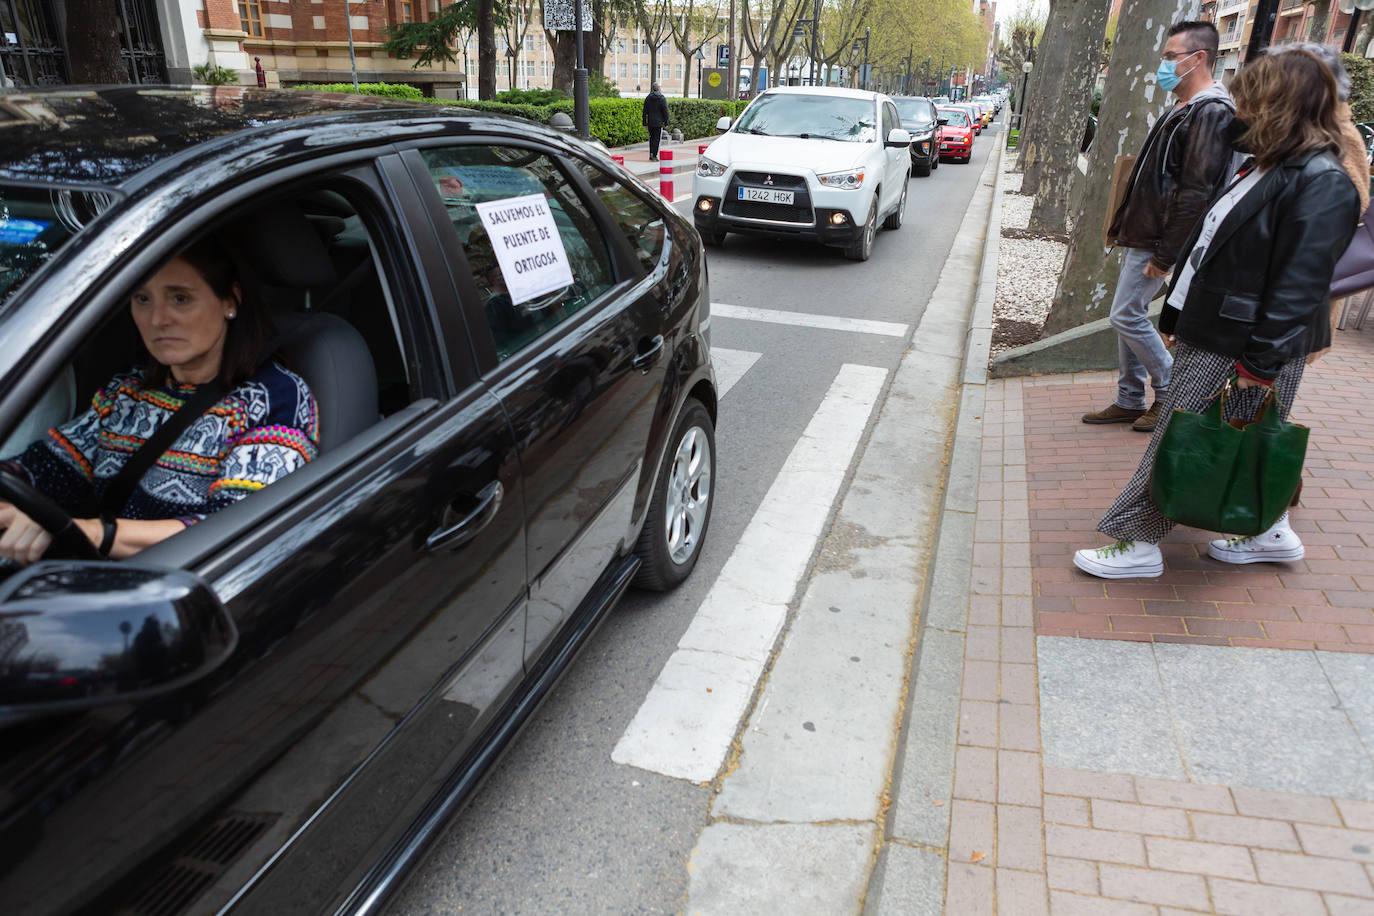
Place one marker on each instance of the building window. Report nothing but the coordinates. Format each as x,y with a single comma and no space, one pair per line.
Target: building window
624,71
529,43
620,45
407,11
250,17
634,45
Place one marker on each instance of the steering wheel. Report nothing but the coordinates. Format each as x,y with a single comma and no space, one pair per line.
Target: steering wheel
68,541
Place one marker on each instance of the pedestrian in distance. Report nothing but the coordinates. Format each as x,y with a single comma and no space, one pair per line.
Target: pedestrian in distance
655,118
1185,161
1249,300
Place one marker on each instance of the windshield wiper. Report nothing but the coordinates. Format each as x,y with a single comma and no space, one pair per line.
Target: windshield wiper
815,137
755,130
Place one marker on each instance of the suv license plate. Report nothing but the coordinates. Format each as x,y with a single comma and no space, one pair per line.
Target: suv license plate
767,196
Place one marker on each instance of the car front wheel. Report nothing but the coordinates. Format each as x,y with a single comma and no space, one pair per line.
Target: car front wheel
863,248
680,511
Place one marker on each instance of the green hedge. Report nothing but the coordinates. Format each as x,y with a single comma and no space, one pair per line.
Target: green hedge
1361,86
615,122
385,90
530,96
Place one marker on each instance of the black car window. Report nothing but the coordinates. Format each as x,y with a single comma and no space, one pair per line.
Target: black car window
912,109
641,223
548,260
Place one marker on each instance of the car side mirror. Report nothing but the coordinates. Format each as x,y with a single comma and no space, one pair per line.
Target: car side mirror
80,635
898,137
723,124
942,121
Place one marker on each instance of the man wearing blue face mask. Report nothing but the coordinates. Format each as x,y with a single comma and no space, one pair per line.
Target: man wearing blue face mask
1185,161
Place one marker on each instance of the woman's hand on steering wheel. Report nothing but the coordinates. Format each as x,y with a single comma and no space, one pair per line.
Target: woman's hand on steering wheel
25,541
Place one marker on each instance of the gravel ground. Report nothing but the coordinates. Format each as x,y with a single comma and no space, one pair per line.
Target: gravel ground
1027,272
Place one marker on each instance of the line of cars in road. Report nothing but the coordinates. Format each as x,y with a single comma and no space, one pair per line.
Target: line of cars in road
827,165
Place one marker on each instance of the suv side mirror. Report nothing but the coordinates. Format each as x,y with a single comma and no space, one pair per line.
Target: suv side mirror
723,124
79,635
898,137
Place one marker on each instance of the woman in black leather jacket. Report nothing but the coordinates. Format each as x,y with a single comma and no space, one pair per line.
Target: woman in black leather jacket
1249,298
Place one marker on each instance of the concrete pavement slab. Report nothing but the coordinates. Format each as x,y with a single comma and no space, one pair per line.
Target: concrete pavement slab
1265,718
1351,676
1102,707
906,882
799,869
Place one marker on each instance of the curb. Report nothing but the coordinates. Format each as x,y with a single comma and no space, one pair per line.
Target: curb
909,874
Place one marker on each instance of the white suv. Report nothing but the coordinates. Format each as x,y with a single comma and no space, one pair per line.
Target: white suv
816,163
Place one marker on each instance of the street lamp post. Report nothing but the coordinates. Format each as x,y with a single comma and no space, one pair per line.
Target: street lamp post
863,83
1026,67
352,58
581,113
815,31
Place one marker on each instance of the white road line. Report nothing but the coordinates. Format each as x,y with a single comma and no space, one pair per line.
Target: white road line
730,367
689,718
806,320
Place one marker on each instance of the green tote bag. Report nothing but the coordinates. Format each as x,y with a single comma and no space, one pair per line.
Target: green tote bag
1232,477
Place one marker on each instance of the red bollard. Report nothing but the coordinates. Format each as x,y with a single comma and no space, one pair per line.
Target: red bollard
665,174
618,159
701,149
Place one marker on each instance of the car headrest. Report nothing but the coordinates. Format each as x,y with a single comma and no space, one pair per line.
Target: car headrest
333,358
279,241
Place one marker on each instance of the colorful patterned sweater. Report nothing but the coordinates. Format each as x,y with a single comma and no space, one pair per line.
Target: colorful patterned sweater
257,434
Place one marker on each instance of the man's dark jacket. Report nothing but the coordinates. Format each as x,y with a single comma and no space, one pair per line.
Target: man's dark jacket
1259,294
1183,164
655,110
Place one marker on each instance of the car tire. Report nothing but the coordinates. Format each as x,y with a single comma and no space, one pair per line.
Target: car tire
934,162
863,248
894,219
714,239
684,494
921,169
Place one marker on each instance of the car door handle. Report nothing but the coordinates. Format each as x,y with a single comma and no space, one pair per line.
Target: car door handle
469,526
648,356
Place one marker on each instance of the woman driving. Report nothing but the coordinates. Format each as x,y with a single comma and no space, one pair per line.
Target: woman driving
199,329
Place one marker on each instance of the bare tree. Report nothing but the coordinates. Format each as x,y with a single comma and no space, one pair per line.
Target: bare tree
1131,101
695,23
769,30
1050,177
655,20
515,25
841,23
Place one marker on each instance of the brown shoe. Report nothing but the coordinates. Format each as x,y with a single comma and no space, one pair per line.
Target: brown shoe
1145,423
1112,414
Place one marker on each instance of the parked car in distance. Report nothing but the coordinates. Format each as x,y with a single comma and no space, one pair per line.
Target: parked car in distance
817,164
921,121
278,709
956,134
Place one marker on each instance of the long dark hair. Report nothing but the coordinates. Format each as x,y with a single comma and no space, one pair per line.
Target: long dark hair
1289,101
250,331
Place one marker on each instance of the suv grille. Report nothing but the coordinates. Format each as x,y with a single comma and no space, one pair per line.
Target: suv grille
799,212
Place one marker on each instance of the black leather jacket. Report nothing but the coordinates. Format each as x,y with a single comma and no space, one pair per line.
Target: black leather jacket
1185,160
1259,294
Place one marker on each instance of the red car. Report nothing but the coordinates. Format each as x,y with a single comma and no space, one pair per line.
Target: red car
956,134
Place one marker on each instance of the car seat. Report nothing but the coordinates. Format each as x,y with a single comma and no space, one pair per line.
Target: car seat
294,266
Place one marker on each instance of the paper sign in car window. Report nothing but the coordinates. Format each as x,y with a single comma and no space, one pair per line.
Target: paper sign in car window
528,248
484,182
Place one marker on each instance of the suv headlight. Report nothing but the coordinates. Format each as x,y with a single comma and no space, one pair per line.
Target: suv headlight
708,169
848,180
921,138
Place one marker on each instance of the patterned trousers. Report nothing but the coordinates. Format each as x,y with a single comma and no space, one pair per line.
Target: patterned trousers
1197,375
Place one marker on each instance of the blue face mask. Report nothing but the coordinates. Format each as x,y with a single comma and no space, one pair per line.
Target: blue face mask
1167,78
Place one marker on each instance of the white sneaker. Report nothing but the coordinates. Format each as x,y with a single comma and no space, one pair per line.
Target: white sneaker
1277,544
1122,560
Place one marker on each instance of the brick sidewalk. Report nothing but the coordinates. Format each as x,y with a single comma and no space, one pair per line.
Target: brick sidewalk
1323,601
1027,838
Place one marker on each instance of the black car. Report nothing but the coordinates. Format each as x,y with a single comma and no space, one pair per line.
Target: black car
277,710
920,120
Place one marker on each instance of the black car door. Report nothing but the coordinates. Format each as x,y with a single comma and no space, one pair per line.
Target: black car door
379,597
578,361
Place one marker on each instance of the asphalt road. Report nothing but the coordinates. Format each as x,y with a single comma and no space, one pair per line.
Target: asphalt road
558,826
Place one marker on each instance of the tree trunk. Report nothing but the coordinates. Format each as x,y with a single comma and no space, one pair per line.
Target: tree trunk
686,75
1046,82
1131,101
486,49
93,42
564,62
653,63
1057,167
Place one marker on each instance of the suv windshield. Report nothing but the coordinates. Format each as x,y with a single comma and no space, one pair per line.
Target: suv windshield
787,114
915,109
34,223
